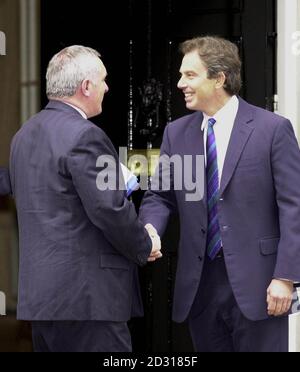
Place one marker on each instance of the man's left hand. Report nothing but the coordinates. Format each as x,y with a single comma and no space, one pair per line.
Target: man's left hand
156,243
279,297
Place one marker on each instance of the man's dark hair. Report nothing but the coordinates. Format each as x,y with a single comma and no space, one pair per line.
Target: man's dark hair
218,55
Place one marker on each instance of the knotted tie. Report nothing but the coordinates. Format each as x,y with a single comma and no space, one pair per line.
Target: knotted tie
214,243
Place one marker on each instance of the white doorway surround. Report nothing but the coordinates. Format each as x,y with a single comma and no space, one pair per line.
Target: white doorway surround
30,58
288,70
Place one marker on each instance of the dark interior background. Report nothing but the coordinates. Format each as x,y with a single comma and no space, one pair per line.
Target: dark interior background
138,41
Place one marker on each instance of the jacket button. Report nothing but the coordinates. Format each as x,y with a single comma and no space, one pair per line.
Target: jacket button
203,231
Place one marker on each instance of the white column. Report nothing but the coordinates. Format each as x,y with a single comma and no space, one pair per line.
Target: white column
288,74
30,72
2,43
2,304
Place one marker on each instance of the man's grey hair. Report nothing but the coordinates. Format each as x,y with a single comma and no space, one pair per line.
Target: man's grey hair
68,68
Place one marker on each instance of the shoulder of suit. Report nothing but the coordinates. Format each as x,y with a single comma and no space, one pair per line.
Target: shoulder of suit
91,135
78,126
184,121
267,116
89,129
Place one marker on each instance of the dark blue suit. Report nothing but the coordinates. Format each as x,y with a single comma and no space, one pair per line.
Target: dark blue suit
79,246
5,187
258,211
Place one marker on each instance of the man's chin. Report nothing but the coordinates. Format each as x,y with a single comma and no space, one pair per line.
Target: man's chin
190,106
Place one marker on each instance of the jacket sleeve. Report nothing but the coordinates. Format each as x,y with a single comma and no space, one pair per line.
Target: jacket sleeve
93,165
160,202
285,158
5,186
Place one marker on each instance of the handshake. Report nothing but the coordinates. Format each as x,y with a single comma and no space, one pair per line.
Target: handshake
156,243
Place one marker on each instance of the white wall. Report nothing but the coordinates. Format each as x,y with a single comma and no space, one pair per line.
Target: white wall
289,61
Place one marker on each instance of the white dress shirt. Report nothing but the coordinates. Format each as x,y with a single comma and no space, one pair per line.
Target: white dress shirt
222,128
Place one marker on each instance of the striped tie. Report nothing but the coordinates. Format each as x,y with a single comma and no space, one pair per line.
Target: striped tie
214,243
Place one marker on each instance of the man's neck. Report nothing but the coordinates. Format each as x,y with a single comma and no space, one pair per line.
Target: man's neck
217,105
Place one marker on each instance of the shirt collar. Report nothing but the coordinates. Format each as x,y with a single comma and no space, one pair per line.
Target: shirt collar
82,113
228,110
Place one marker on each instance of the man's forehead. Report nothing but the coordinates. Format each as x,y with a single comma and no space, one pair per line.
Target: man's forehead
191,63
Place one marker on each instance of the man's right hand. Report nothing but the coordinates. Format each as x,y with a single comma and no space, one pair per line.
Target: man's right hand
156,243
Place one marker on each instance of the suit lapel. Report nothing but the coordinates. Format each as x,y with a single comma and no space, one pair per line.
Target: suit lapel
239,137
194,144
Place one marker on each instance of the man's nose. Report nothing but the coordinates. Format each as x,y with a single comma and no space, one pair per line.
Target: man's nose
181,83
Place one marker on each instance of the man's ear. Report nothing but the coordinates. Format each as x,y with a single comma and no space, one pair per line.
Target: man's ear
221,80
85,88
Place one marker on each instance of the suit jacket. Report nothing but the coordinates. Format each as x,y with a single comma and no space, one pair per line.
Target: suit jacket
5,187
258,208
78,246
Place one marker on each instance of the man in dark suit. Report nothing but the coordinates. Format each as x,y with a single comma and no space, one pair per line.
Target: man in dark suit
239,250
79,246
5,187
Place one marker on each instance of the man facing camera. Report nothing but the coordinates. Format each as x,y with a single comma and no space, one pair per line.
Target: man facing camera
239,250
79,246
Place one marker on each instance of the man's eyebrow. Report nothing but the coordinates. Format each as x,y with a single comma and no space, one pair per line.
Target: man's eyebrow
187,72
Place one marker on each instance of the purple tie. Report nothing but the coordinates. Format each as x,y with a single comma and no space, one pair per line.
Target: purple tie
214,243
